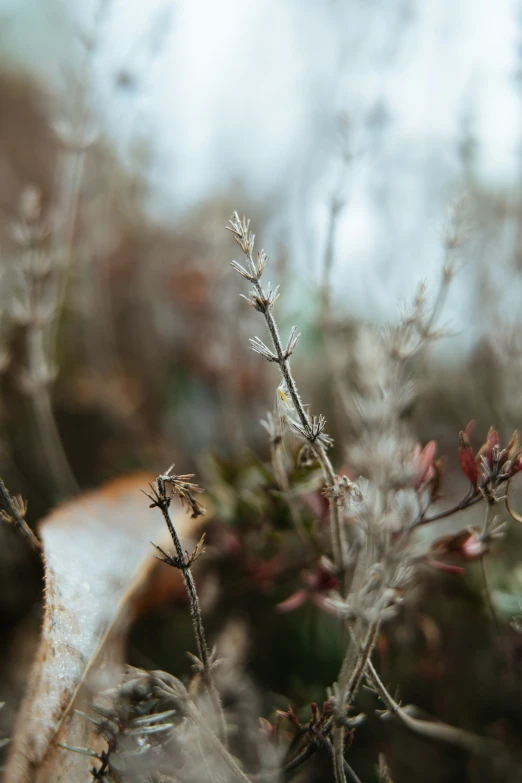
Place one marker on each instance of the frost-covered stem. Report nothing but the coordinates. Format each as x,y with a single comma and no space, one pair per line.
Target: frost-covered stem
338,754
336,526
350,679
284,364
354,682
342,770
182,563
263,303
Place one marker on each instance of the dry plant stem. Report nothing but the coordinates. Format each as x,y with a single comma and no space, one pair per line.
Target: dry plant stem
471,499
300,759
348,772
39,378
351,688
333,221
71,185
282,359
310,751
195,610
319,740
71,180
40,397
347,689
322,741
52,444
236,773
425,332
439,732
17,517
338,754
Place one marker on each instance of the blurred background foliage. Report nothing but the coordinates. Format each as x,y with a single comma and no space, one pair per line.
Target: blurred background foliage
139,132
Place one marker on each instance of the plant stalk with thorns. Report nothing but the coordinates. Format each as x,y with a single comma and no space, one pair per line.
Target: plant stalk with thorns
311,428
161,494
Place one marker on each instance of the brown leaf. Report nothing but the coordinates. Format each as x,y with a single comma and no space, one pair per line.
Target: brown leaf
97,555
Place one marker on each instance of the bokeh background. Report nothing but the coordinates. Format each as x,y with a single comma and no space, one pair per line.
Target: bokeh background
129,132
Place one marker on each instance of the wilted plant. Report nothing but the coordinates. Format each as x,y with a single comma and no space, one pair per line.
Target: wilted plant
399,482
161,495
362,571
35,309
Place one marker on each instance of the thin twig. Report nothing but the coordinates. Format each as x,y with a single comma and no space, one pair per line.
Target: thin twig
172,687
161,499
302,757
76,145
39,375
310,429
51,442
348,686
236,774
336,205
15,514
365,655
466,502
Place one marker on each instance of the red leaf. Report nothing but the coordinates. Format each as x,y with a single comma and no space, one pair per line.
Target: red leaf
467,459
293,601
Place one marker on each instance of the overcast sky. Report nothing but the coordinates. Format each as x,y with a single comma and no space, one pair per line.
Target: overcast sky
246,92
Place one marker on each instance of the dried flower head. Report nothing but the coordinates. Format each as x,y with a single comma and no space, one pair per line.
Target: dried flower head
181,486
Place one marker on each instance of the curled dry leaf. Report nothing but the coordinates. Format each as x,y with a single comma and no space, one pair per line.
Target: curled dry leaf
97,556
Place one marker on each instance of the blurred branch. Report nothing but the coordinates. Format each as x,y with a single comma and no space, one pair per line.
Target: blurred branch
441,732
15,514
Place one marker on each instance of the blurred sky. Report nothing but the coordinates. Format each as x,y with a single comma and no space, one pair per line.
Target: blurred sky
248,93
